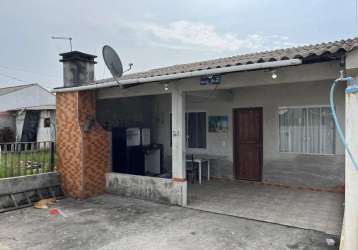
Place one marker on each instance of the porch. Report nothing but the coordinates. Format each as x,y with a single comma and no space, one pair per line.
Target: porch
320,211
304,152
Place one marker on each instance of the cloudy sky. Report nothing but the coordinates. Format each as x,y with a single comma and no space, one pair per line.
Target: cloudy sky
158,32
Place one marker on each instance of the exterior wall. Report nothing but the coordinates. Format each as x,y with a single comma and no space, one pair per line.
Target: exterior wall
21,184
7,120
32,96
43,134
82,155
323,171
148,111
126,112
48,133
20,119
318,171
149,188
301,85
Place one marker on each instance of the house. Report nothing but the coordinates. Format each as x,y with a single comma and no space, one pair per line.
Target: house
27,114
263,117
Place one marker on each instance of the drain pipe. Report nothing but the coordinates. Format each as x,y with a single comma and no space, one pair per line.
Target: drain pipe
231,69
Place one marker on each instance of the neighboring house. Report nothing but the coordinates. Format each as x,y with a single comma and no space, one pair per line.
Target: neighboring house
27,114
262,117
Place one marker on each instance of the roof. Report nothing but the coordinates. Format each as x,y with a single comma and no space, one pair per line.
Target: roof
308,54
25,96
41,107
7,90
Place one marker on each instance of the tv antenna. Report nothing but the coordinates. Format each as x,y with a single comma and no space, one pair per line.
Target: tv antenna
113,63
63,38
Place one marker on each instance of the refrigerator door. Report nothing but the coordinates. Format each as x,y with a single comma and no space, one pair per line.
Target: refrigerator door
133,137
119,148
145,136
152,161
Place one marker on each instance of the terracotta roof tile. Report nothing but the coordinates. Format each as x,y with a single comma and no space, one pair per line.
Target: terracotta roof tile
302,52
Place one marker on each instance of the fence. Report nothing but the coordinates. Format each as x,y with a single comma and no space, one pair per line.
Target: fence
26,158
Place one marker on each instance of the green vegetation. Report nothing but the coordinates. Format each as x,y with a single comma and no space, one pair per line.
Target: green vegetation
24,163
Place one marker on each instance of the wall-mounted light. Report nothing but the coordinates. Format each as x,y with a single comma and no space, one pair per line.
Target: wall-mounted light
274,74
166,87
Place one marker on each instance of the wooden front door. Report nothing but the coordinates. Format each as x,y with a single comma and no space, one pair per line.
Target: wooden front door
248,143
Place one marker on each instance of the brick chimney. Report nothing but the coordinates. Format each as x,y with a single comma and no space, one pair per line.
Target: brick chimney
78,68
82,144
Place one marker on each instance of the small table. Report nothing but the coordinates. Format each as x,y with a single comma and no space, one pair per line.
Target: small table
202,158
200,161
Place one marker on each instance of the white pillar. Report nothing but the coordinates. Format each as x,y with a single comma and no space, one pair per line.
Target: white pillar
178,142
351,174
178,134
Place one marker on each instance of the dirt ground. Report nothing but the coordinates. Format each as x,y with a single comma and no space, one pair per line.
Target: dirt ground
113,222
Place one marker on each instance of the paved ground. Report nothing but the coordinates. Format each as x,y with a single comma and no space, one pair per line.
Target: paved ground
113,222
321,211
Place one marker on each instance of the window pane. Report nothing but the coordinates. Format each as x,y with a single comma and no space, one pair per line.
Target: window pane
313,130
201,130
307,130
192,124
196,129
283,130
328,132
297,130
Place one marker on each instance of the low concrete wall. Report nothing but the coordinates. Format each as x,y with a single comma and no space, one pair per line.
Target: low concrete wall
24,183
148,188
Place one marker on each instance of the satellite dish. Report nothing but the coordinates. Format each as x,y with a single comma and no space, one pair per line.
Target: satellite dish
112,61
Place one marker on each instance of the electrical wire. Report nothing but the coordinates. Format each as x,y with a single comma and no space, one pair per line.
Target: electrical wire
338,126
13,78
22,81
27,71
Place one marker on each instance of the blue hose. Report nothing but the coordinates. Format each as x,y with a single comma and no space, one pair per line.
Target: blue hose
338,126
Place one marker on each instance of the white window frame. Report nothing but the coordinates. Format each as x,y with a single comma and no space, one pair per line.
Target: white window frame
278,130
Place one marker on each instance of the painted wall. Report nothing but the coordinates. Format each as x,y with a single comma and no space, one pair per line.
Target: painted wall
20,119
7,126
324,171
43,134
149,188
46,133
147,111
7,120
125,112
320,171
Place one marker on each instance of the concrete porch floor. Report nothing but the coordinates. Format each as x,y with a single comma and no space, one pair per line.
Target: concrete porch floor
112,222
321,211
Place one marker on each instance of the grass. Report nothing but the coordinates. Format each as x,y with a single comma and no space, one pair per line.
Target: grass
24,163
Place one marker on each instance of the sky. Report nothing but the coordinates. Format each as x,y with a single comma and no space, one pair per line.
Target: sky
158,33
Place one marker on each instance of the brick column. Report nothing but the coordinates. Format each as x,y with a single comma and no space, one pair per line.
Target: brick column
82,155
